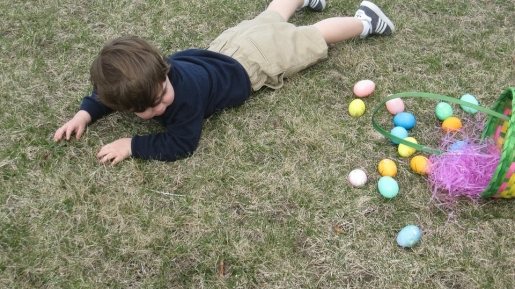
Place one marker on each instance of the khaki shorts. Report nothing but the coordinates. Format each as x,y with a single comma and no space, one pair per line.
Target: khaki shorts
271,49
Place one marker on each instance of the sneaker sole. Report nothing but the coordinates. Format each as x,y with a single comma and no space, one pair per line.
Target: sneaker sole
379,13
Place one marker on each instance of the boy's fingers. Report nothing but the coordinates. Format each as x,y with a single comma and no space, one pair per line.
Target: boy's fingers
115,161
57,137
101,153
101,156
79,132
59,134
118,159
104,156
69,132
103,159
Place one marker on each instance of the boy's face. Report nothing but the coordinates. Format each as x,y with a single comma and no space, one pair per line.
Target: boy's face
167,97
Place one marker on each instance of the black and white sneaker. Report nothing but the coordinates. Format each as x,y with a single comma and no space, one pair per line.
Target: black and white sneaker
315,5
379,23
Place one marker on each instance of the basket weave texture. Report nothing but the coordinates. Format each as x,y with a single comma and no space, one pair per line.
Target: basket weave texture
502,184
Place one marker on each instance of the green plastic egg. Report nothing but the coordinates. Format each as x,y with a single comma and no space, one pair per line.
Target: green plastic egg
443,110
409,236
388,187
471,99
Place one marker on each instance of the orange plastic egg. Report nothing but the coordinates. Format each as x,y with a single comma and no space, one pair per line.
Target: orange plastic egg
452,124
419,164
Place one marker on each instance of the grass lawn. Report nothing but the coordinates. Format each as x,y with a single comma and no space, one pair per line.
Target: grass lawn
264,201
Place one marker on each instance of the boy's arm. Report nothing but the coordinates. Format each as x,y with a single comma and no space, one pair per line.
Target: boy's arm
180,140
94,107
165,146
90,110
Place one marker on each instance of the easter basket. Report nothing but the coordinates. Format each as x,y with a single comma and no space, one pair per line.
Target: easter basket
499,126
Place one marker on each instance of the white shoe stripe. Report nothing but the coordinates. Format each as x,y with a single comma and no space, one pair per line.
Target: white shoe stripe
379,13
381,26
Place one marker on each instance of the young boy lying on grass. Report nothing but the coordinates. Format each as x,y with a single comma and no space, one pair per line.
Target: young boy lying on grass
181,90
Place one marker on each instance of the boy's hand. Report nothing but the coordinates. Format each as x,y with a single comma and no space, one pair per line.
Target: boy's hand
75,125
116,151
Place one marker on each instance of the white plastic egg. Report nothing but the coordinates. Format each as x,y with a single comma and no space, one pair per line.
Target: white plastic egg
357,178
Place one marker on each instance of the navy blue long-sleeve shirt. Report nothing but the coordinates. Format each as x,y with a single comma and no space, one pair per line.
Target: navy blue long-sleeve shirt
204,83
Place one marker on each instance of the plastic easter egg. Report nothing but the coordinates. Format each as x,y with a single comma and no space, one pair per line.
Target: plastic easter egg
388,187
443,111
357,108
470,99
395,106
357,178
399,132
458,146
405,150
409,236
420,164
364,88
404,119
452,124
387,167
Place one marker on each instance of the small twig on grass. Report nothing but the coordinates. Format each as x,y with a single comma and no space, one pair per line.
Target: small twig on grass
221,268
167,194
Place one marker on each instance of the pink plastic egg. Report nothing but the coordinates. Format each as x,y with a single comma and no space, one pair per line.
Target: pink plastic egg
394,106
364,88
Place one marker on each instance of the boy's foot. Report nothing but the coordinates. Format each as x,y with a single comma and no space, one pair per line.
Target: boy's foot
379,24
315,5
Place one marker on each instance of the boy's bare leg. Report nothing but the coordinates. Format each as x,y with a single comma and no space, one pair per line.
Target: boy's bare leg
369,20
338,29
285,7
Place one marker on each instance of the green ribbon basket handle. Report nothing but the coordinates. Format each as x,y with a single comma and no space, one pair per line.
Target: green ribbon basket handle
431,96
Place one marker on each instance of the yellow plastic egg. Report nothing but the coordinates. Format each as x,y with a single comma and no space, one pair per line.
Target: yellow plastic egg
419,164
387,168
357,108
407,151
452,124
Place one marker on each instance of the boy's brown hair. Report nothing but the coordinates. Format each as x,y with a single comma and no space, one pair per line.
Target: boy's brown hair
128,74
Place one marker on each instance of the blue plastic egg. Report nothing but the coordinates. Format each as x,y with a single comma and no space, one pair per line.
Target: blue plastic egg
458,146
404,119
471,99
409,236
388,187
399,132
443,111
